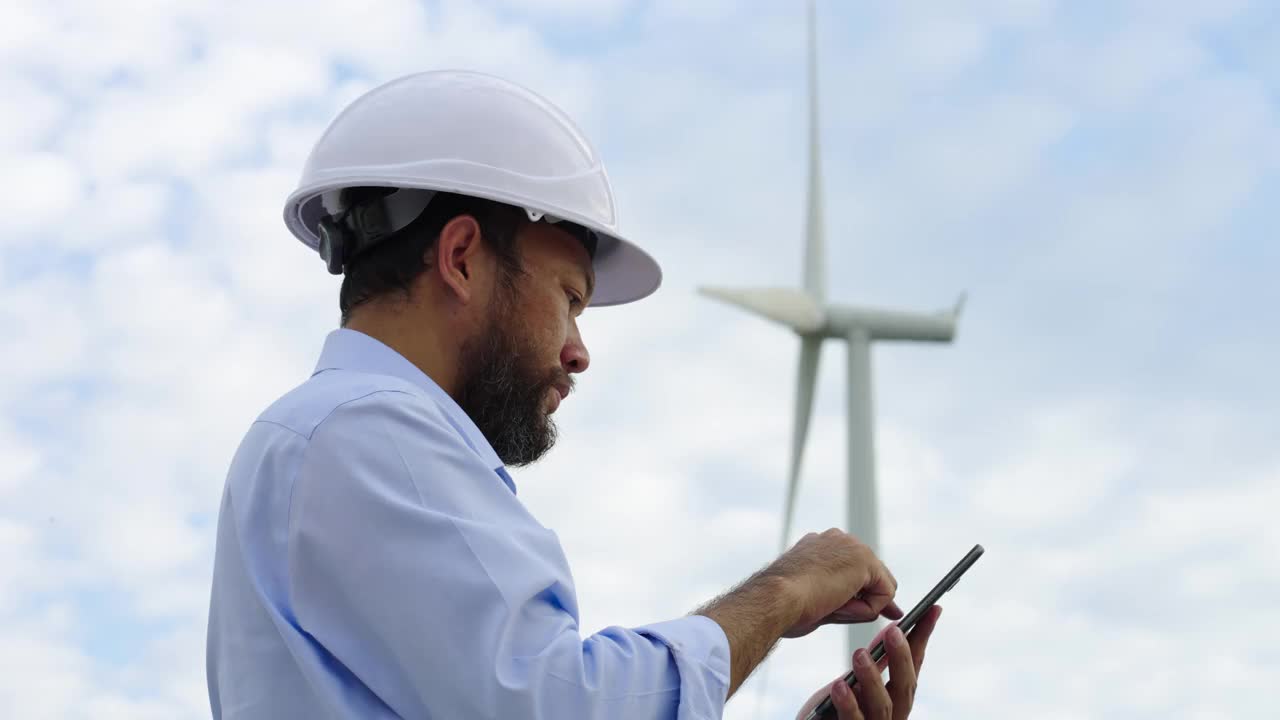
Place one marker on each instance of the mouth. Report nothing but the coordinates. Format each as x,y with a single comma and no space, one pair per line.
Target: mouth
556,395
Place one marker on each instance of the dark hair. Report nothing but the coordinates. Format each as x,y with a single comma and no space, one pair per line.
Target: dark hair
394,263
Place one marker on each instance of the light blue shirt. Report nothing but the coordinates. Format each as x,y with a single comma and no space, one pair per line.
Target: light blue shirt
373,561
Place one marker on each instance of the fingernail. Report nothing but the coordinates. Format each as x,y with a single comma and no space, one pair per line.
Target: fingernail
841,689
862,656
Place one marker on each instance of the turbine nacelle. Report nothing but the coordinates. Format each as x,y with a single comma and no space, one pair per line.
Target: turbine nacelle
881,324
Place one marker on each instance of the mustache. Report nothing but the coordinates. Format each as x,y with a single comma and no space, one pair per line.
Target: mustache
560,377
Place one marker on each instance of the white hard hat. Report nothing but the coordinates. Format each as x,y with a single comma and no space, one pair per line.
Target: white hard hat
472,134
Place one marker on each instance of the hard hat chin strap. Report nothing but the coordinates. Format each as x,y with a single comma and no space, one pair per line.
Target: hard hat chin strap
361,217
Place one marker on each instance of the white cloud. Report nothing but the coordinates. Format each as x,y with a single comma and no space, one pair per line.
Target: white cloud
567,11
675,11
36,111
1057,474
38,190
182,123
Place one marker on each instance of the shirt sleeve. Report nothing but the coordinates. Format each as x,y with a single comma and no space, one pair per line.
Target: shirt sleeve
415,569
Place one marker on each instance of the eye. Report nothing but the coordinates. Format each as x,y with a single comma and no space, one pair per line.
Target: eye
575,300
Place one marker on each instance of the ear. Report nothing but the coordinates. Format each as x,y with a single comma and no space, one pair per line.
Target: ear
457,255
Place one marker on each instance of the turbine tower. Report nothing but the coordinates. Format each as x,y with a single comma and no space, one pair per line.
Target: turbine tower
807,312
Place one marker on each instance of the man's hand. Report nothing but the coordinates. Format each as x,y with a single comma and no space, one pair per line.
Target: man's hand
827,577
872,699
837,579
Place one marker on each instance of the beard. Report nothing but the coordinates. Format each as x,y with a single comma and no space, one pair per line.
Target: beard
503,389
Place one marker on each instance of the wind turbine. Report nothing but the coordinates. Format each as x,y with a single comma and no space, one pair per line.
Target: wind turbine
807,312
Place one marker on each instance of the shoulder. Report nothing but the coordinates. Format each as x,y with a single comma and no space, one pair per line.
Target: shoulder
334,398
375,448
360,432
339,424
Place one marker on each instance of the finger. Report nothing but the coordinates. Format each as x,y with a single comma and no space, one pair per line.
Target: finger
858,609
876,704
920,635
892,579
879,638
845,704
880,573
902,673
880,584
870,603
892,611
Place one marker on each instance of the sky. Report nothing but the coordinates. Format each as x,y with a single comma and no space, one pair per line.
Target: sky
1100,177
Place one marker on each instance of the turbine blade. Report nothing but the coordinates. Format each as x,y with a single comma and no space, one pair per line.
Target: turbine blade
806,378
815,246
794,308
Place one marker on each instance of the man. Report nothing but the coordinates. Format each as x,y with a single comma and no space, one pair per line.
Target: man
373,560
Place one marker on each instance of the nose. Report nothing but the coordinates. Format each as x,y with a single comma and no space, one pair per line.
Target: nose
574,357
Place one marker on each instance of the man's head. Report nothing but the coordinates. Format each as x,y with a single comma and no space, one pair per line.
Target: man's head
486,302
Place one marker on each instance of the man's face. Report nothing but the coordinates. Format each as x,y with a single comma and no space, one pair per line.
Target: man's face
515,370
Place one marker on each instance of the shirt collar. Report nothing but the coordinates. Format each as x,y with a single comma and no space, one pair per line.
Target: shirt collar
346,349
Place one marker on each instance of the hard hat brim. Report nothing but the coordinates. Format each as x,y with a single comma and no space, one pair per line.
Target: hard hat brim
624,271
